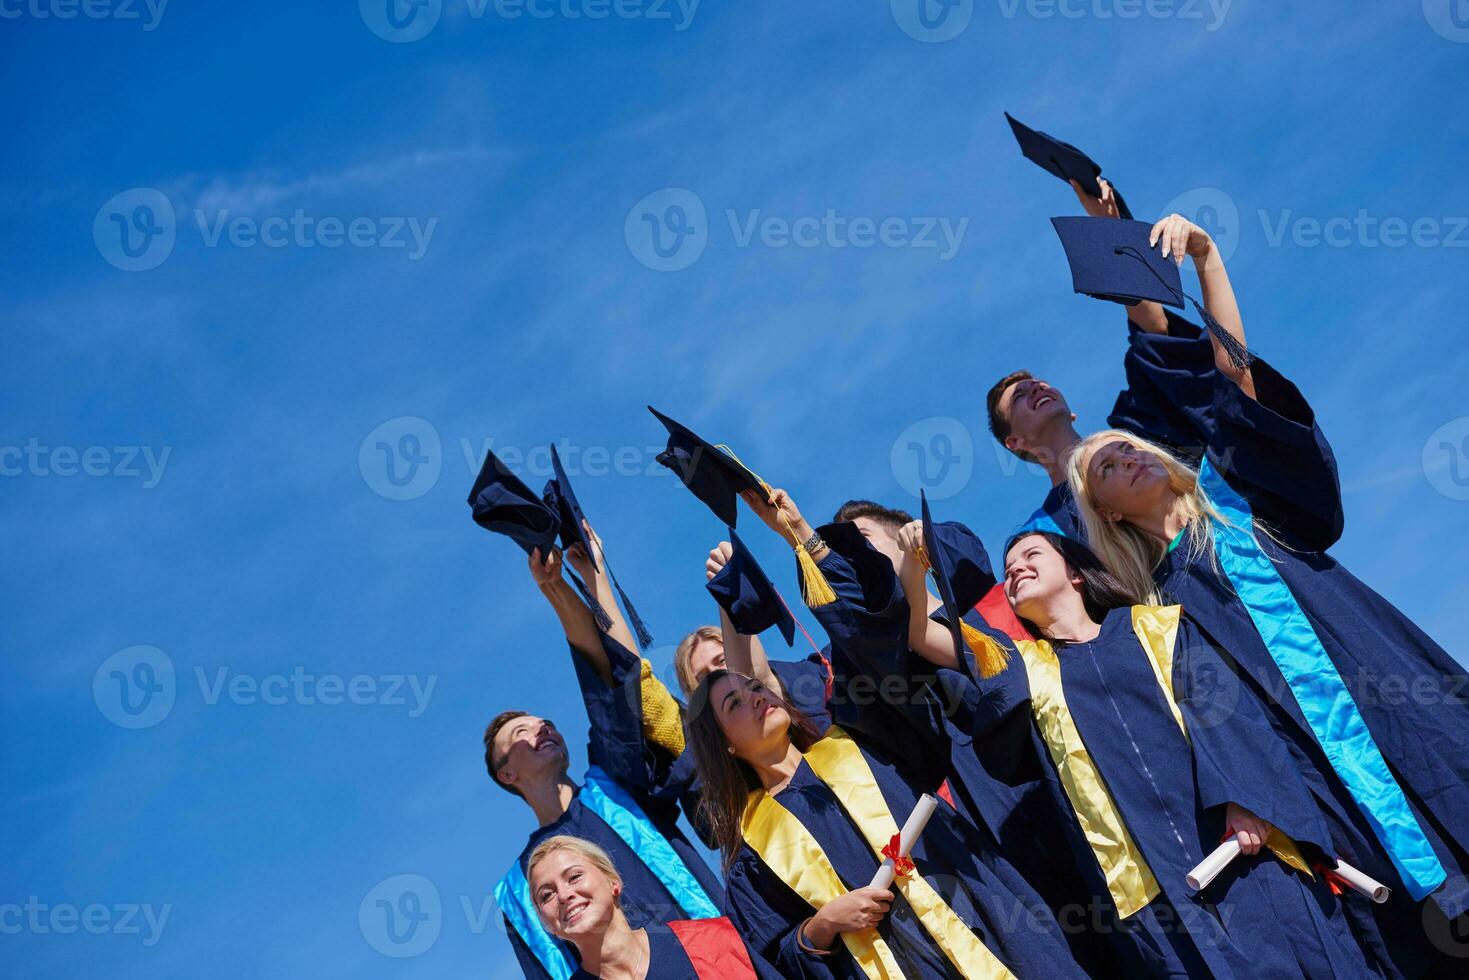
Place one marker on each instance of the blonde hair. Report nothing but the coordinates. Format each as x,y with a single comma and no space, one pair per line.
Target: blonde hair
683,656
594,855
1129,552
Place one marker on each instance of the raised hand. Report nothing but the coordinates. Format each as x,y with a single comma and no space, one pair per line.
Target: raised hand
546,570
1179,236
773,509
719,556
1098,207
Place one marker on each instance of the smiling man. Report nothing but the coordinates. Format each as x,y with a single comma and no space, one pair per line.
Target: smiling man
628,801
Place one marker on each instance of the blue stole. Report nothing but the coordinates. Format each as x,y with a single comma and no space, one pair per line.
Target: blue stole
1319,689
617,808
1039,521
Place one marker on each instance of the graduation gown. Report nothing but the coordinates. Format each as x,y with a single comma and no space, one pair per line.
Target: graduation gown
1375,705
807,685
628,805
902,751
698,949
1144,735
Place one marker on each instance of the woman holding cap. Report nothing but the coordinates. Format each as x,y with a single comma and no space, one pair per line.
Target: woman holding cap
1241,542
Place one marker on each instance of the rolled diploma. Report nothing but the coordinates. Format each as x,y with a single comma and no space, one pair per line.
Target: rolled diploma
1370,887
1208,869
909,835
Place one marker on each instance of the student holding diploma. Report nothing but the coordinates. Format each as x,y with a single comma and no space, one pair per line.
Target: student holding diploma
1154,751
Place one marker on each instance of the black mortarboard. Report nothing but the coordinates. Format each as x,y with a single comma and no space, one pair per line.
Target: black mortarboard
744,592
1062,159
714,476
961,583
560,498
503,504
1114,260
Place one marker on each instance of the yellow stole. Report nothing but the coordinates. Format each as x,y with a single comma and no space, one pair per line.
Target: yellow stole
1129,879
789,849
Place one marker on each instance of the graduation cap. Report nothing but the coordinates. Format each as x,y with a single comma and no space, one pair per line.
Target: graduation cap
1114,260
744,592
958,575
560,499
717,477
713,474
503,504
1063,160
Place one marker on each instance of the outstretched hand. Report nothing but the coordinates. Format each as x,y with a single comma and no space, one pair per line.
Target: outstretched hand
779,505
584,564
719,556
545,570
1098,207
1178,237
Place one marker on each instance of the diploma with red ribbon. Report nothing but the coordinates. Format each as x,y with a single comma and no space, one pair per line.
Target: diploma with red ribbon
896,861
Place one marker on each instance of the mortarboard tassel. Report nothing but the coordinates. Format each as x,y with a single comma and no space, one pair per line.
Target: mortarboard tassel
815,589
645,639
604,621
988,655
1239,355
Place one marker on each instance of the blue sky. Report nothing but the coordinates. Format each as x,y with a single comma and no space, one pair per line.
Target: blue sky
191,450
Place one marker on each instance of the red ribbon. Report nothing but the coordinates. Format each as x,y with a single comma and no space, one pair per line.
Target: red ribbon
901,865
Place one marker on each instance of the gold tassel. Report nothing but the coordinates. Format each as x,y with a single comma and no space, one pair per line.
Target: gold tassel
662,719
815,589
989,656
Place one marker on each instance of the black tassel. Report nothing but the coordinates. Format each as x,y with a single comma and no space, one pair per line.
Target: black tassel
1239,354
604,621
645,639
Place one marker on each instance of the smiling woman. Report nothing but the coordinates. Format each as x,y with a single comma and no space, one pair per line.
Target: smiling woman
577,892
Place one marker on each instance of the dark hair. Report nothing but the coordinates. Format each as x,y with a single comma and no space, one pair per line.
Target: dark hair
886,516
728,780
999,423
492,764
1101,591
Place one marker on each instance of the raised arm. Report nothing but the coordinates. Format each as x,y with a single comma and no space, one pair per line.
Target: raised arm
577,621
1177,237
929,639
600,583
742,654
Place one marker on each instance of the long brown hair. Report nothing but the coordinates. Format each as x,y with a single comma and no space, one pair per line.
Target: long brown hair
1101,591
728,780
